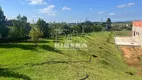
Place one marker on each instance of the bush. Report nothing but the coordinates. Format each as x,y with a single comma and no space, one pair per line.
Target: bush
97,28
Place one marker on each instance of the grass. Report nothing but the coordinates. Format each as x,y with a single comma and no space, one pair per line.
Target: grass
24,61
123,33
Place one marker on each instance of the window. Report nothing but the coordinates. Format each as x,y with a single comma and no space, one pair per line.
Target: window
134,33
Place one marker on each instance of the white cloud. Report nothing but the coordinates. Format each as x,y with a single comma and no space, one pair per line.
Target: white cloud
126,5
66,8
101,12
22,2
111,14
131,4
121,6
48,10
37,2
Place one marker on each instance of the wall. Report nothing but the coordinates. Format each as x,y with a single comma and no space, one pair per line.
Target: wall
137,31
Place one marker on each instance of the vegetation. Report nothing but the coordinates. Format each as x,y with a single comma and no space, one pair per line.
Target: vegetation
12,30
108,24
121,26
123,33
3,28
35,34
23,60
20,27
43,26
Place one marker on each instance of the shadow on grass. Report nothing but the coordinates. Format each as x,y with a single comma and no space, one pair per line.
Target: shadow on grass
4,72
29,47
59,62
34,42
24,47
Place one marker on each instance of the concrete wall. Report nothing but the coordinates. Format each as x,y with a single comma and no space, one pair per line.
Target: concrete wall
137,31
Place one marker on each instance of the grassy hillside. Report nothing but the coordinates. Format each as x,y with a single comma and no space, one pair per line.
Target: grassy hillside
24,61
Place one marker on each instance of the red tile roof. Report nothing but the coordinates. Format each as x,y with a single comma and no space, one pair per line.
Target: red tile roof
137,23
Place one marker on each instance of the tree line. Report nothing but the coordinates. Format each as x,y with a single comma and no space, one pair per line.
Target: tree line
19,29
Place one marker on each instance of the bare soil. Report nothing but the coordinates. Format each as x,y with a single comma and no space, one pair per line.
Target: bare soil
133,57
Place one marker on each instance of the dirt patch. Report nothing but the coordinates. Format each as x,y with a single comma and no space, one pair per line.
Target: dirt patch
133,57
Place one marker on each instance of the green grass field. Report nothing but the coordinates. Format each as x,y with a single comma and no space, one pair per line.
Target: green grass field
123,33
24,61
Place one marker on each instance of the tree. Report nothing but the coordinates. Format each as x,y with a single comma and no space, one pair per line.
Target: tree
76,28
43,26
23,25
97,28
35,34
108,24
66,28
103,24
55,26
88,26
3,28
20,27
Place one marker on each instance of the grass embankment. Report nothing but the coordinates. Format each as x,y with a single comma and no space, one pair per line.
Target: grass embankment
123,33
24,61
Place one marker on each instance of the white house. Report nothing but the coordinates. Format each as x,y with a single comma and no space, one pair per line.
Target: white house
137,31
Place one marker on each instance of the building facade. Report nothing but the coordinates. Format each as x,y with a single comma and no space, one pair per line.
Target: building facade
137,31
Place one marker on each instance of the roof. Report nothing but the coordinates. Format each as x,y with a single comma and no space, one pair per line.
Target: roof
137,23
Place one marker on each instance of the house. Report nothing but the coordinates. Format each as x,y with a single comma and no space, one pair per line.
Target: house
135,39
137,30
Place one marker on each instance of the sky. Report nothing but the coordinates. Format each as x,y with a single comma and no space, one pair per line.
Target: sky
73,10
